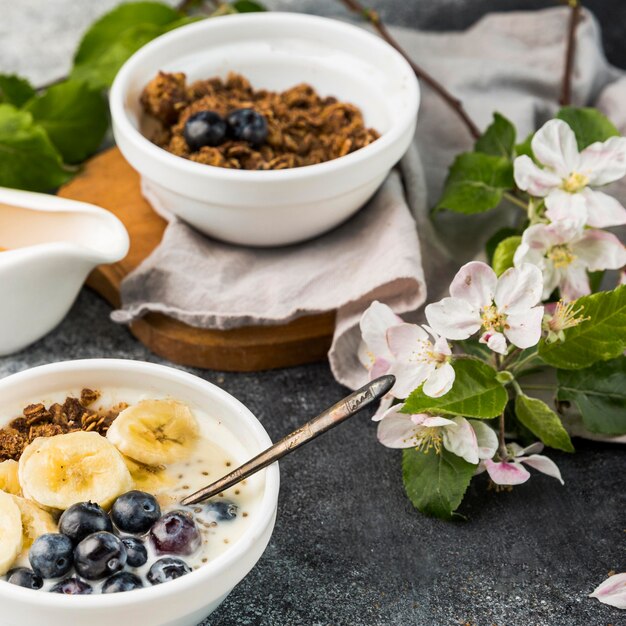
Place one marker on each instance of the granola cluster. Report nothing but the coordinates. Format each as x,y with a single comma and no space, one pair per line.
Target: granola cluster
37,420
303,127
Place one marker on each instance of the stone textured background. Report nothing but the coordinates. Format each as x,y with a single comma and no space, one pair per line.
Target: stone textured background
348,549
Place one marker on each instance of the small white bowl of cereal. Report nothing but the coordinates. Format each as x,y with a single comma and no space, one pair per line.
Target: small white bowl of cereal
264,129
96,456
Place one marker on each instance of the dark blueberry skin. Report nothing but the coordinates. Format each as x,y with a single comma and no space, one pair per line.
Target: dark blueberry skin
135,511
24,577
137,555
83,519
99,555
223,510
175,533
205,128
247,125
50,555
165,569
124,581
72,587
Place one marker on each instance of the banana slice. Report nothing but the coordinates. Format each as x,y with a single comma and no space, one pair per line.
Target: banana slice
148,478
155,432
75,467
35,522
10,532
9,480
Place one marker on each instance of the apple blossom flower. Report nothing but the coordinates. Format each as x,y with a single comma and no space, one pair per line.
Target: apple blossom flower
512,472
419,360
567,176
504,308
612,591
565,252
470,439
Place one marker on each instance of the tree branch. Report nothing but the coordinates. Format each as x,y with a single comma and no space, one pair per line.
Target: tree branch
570,52
372,16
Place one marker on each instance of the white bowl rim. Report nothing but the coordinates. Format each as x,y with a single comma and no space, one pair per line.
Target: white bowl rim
399,127
194,578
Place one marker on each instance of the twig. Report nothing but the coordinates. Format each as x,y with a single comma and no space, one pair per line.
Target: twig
502,451
374,18
570,52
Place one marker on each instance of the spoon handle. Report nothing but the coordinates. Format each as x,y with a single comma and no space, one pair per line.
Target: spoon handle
324,421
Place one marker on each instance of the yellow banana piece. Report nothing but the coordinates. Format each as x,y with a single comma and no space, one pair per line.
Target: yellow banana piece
9,480
155,432
10,532
35,522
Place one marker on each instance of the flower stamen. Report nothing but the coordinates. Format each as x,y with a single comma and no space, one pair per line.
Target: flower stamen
561,256
575,182
429,438
565,315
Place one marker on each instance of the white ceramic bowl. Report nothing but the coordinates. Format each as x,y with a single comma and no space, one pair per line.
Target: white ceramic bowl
182,602
53,243
275,51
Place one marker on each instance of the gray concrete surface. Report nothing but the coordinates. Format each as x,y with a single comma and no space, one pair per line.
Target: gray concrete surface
348,549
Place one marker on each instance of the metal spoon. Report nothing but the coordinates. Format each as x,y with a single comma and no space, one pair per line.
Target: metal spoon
324,421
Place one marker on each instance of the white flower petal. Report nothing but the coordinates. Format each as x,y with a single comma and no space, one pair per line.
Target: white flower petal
436,421
524,329
531,178
383,406
561,205
554,145
600,250
476,283
380,367
460,439
544,465
397,430
612,591
604,162
453,318
533,448
574,282
365,356
486,439
439,381
503,473
374,324
495,341
603,210
519,289
441,346
404,340
409,376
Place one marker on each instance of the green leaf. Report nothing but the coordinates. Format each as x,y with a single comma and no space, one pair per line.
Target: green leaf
496,238
435,483
589,125
475,393
543,422
600,338
498,139
74,115
476,183
15,90
117,35
247,6
525,147
599,393
503,255
28,160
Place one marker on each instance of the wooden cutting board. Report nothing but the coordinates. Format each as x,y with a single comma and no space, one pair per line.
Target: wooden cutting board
108,181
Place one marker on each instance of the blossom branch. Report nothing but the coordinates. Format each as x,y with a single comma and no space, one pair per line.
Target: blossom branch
374,18
570,52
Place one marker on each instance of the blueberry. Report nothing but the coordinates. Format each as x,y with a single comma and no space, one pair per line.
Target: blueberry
50,555
166,569
247,125
136,551
72,587
206,128
99,555
83,519
135,512
124,581
175,533
223,510
24,577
